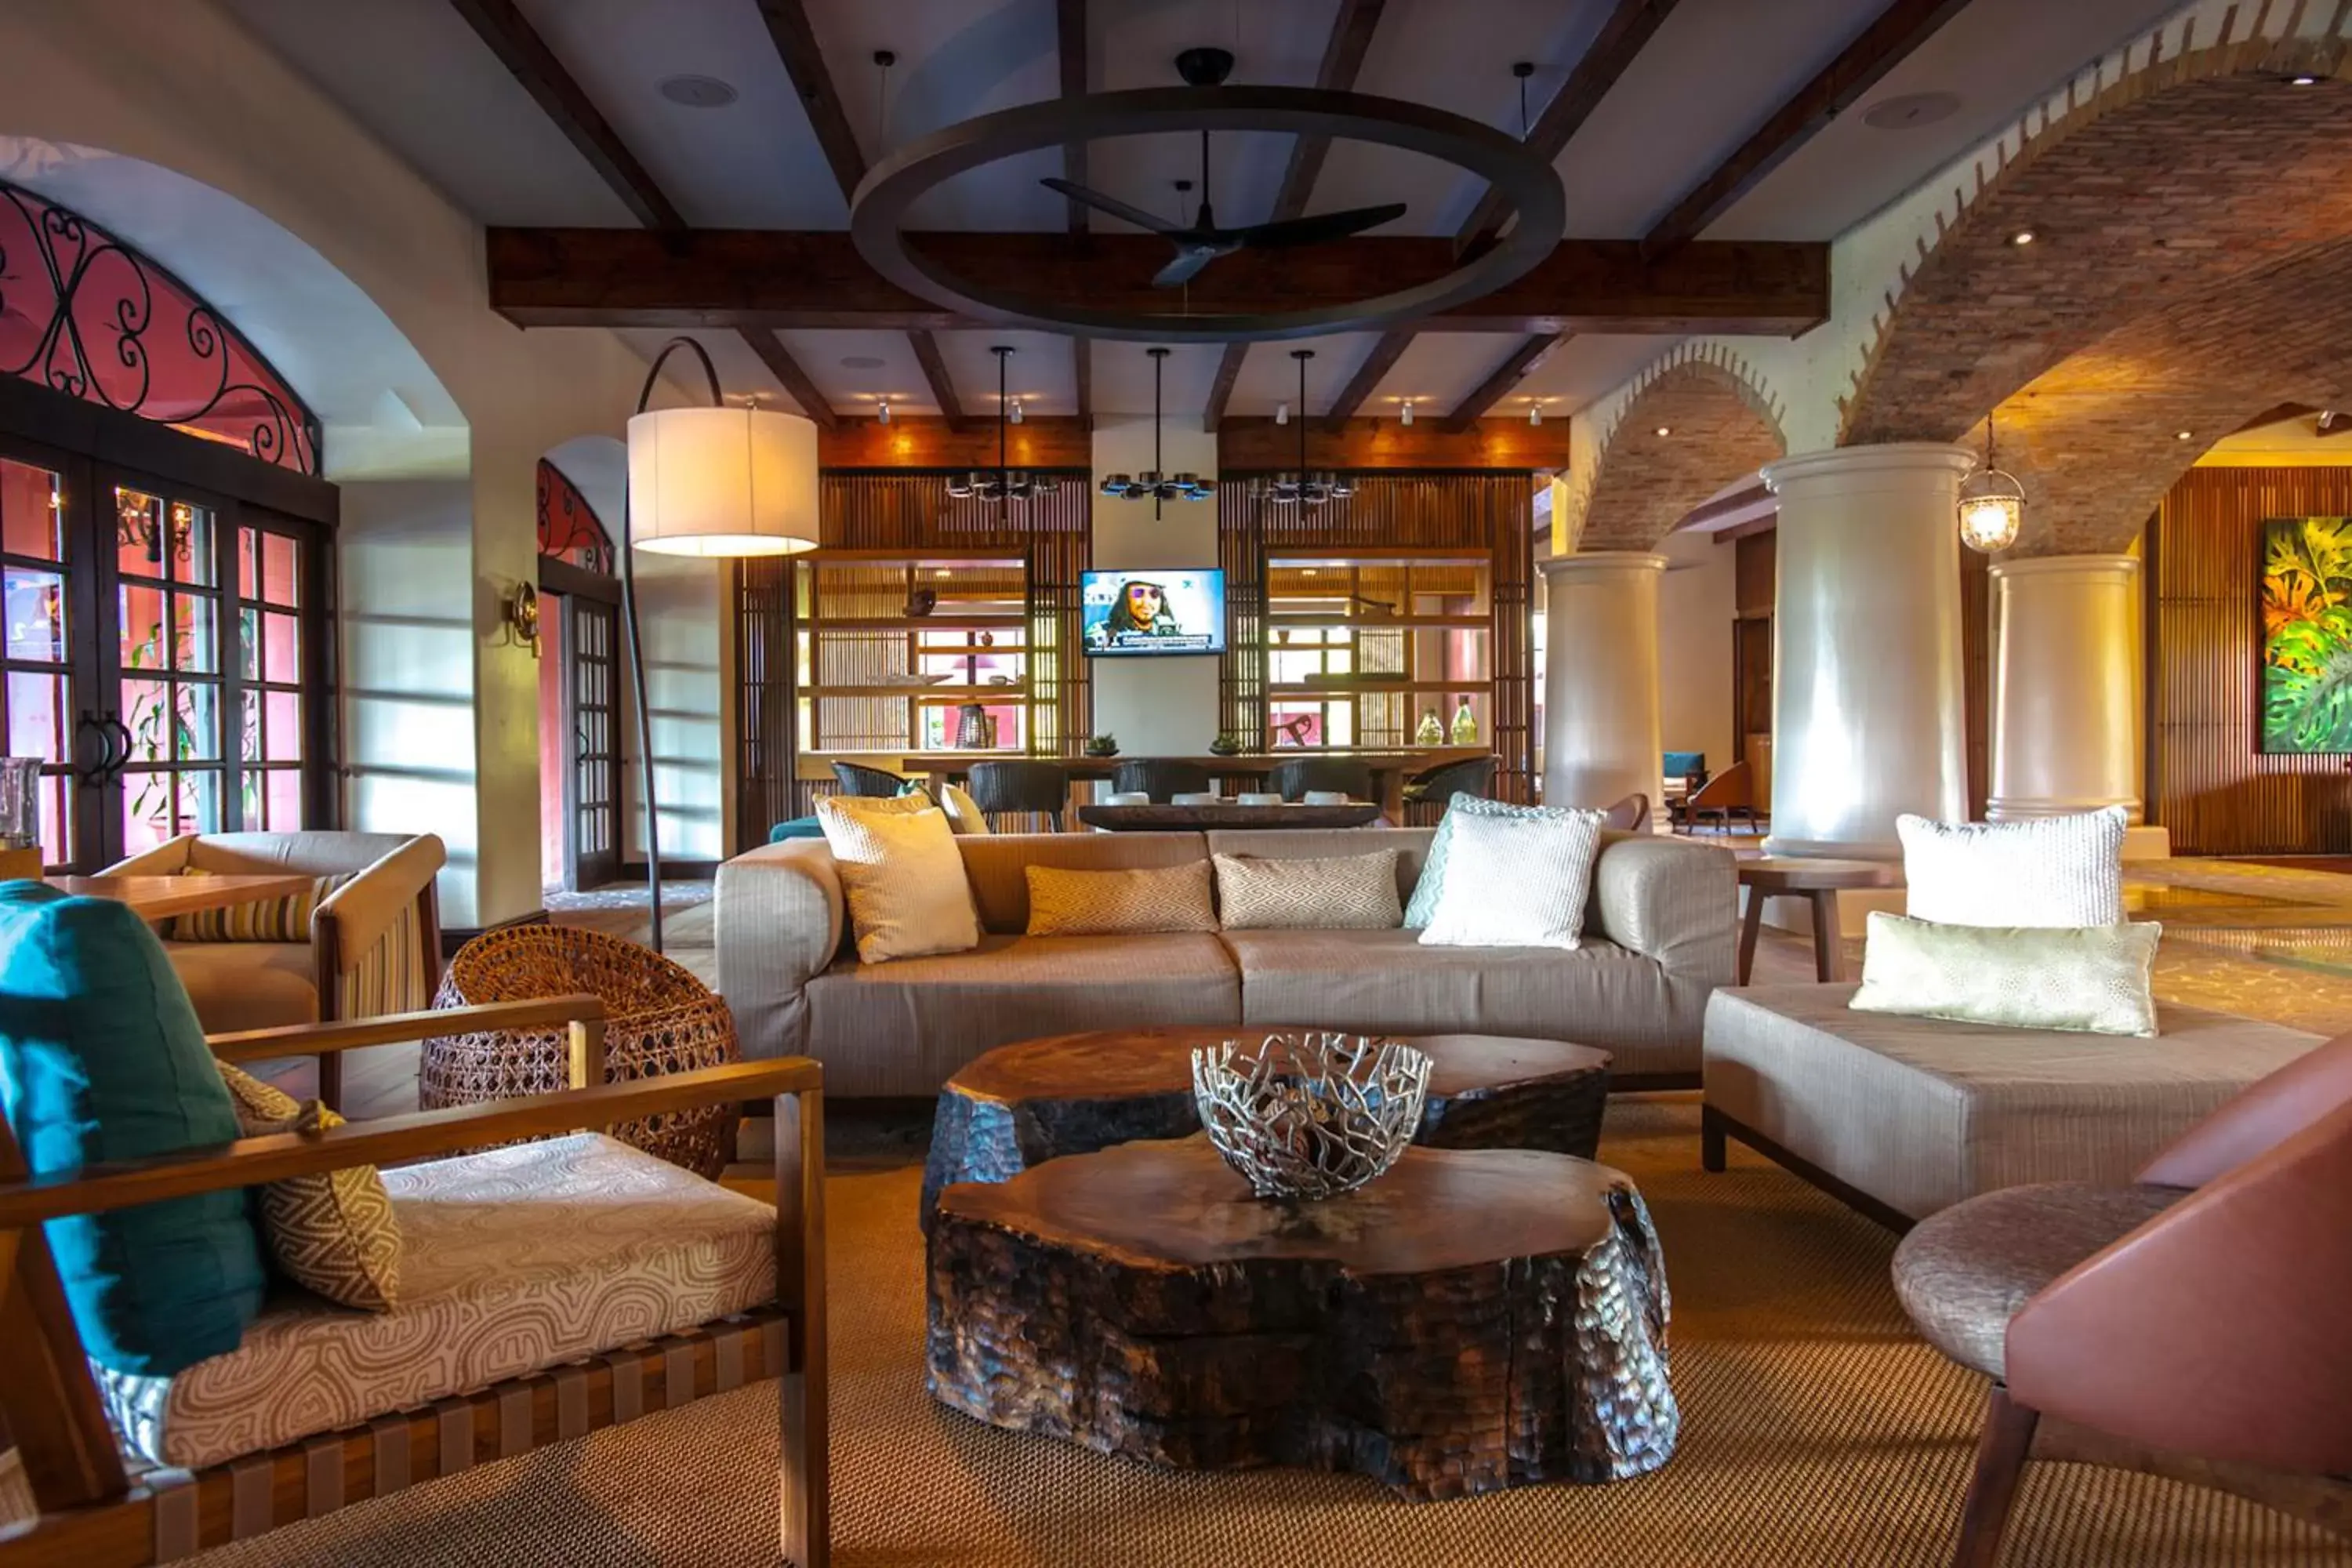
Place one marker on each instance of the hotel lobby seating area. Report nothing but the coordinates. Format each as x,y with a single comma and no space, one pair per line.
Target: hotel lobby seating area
1066,781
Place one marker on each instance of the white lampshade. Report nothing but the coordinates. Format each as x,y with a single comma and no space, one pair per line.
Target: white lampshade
722,481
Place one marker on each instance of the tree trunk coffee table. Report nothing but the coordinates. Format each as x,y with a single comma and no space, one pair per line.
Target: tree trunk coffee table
1473,1320
1022,1104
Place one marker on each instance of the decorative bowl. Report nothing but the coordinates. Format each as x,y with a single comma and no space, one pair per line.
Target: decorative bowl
1225,746
1310,1116
1102,745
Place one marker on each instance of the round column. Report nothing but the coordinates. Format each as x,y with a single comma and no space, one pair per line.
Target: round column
1867,693
1601,679
2066,685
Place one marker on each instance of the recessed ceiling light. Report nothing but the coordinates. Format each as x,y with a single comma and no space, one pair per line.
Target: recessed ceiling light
1309,571
2305,80
1663,430
1911,111
2022,236
2183,435
698,91
861,361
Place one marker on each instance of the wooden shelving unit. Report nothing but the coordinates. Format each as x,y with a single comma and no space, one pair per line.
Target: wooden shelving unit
861,641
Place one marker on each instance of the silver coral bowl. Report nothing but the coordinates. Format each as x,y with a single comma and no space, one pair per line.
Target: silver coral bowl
1310,1116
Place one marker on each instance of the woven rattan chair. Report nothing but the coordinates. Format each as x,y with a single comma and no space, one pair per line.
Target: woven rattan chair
1021,789
1161,777
1343,776
659,1019
1426,793
856,778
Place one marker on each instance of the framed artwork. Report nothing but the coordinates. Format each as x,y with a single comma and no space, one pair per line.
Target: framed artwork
2306,609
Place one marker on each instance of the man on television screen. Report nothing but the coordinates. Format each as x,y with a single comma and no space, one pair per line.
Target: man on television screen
1141,611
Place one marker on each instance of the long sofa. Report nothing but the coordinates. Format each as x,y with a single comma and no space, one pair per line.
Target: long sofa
1660,936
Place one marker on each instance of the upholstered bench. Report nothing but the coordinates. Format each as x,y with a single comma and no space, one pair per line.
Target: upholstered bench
1902,1117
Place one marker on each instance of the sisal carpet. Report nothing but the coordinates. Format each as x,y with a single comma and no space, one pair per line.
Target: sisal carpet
1817,1430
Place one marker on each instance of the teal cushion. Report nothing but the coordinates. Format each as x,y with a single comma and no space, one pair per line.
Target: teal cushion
101,1058
798,827
1419,908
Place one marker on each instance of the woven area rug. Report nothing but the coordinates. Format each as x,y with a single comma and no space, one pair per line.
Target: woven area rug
1817,1430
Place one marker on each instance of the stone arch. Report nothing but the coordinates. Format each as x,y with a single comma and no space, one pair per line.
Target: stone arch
1719,427
2151,192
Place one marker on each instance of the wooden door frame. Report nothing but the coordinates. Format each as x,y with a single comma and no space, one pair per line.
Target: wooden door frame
565,581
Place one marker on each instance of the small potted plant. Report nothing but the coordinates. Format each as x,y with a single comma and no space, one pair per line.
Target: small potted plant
1102,745
1227,745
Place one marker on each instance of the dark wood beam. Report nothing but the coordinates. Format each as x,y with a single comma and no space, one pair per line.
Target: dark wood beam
1040,441
787,370
1343,59
1259,445
796,45
1898,30
1070,45
1377,363
520,49
1607,58
1508,374
935,372
619,277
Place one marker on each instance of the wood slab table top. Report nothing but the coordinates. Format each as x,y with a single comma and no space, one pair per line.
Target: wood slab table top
1798,874
160,898
1225,818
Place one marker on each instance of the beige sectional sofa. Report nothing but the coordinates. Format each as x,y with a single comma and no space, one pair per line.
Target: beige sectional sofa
1659,937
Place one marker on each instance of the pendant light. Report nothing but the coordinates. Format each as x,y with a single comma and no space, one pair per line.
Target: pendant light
1152,484
1004,483
1302,486
1992,504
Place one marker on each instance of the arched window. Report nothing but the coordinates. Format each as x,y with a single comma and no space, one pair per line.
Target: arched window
84,315
568,529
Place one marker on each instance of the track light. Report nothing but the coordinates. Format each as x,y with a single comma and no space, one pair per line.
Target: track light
1282,414
1406,416
1534,413
1015,416
882,410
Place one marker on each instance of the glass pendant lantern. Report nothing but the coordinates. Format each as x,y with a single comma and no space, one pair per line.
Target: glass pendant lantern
1991,504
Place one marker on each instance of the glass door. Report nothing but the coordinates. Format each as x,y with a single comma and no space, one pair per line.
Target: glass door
169,686
48,708
593,790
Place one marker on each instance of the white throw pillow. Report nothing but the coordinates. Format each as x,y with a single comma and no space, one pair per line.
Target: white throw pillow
1516,881
902,876
2050,871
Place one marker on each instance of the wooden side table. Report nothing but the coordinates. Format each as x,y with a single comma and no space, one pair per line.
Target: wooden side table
1818,880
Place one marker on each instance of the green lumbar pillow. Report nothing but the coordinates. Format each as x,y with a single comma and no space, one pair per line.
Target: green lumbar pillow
101,1058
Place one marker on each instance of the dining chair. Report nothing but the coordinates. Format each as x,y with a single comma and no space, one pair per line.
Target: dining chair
1426,793
857,779
1161,778
1020,788
1293,778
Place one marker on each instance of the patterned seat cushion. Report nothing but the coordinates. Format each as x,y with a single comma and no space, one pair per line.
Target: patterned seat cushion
1964,1273
516,1259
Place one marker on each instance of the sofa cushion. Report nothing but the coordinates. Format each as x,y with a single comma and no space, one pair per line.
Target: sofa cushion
1411,844
1138,902
1964,1273
997,866
1920,1113
256,920
1330,892
1598,995
237,986
101,1058
519,1258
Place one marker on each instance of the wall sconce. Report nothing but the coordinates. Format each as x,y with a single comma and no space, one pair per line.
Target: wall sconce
521,616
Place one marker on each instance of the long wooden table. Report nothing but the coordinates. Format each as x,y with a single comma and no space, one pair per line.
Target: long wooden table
160,898
1389,769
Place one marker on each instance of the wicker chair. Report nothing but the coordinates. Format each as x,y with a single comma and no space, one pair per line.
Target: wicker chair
856,778
1293,778
1021,789
1427,794
660,1020
1161,777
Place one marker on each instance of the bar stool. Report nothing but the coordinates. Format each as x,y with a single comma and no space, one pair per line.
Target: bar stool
1022,788
1159,777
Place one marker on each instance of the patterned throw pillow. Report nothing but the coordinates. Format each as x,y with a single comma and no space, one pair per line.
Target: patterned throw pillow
1419,908
1337,892
901,875
1119,903
335,1235
2049,871
261,919
2088,979
1516,880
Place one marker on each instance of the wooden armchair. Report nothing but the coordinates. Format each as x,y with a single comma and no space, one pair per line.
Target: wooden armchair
94,1512
1732,790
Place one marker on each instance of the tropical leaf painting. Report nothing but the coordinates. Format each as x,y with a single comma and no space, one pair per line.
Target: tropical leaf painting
2307,635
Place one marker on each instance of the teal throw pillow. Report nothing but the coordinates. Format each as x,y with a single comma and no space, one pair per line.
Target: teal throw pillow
101,1058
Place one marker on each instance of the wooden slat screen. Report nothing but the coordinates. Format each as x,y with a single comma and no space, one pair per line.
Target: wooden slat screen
763,698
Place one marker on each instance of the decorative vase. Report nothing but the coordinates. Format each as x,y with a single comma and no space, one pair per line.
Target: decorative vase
972,727
1431,732
1465,726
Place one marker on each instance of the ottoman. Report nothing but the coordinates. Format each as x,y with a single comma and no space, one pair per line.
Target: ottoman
1902,1117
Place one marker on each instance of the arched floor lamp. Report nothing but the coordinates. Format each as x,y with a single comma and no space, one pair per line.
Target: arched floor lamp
717,483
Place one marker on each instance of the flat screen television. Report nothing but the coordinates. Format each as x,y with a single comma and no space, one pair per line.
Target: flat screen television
1153,612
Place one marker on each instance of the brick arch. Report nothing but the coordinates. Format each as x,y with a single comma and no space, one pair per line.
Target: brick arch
2161,188
2094,439
1720,427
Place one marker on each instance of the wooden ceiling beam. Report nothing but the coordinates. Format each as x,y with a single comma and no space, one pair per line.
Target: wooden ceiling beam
788,371
1889,40
1508,374
935,372
1343,60
520,49
795,40
1377,363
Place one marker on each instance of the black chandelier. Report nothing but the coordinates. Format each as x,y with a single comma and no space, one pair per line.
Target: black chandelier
1152,484
1302,487
1001,483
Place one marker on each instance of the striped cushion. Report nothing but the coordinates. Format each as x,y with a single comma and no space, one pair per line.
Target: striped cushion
1335,893
333,1233
261,920
1520,881
1119,903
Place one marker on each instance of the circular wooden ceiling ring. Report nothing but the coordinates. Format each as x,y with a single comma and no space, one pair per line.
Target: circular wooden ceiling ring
1528,183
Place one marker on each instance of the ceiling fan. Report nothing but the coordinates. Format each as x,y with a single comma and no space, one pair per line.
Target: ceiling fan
1202,241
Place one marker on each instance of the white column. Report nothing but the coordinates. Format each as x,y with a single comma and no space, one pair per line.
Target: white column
2066,685
1867,714
1600,677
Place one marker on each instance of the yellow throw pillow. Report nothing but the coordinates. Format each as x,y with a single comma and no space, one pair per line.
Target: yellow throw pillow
901,875
259,919
1335,892
963,812
1119,903
335,1235
2087,979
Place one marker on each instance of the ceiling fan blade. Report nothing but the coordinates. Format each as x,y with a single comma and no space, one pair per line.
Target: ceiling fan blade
1190,259
1318,228
1111,204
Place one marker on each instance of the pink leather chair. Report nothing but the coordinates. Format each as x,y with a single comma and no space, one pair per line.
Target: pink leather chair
2197,1323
